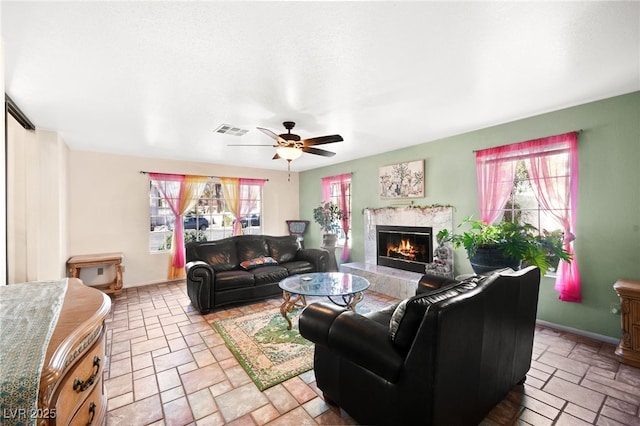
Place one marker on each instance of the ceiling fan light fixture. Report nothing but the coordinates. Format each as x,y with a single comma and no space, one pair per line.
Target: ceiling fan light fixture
288,152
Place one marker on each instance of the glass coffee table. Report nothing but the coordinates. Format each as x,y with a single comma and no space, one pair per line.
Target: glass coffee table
342,289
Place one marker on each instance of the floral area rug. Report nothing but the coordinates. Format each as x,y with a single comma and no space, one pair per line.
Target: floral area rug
268,352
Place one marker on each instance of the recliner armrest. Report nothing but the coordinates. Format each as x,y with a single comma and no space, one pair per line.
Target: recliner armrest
431,282
352,336
316,321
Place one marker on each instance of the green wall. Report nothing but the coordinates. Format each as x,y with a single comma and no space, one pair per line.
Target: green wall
608,221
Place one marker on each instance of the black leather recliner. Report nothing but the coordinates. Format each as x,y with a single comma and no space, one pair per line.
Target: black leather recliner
443,357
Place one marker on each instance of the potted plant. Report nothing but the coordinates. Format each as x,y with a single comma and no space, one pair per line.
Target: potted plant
327,216
506,244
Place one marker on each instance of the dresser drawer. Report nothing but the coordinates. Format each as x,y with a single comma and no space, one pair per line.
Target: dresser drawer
91,412
80,382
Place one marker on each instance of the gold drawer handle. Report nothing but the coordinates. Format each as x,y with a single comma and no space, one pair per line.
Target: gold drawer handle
81,386
92,411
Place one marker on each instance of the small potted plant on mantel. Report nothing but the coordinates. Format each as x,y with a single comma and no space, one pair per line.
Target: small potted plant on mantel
506,244
328,215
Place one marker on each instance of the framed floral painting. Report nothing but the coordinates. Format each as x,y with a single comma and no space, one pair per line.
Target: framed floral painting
402,180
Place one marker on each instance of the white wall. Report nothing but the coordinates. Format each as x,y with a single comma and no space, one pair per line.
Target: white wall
108,206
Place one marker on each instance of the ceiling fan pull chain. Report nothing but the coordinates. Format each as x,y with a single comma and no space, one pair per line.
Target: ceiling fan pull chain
289,170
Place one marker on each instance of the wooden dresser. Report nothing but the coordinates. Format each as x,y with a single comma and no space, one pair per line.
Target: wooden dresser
629,348
71,389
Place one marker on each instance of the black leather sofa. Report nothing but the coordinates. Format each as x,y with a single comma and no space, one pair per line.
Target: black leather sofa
446,356
245,268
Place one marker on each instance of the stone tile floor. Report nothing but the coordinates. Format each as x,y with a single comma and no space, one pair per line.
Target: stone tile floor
168,366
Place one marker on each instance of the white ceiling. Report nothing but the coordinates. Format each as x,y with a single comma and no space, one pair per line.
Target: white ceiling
155,79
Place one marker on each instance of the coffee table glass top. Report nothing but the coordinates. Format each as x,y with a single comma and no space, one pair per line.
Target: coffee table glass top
324,284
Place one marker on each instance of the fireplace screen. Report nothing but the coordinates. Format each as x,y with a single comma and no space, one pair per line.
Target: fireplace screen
404,247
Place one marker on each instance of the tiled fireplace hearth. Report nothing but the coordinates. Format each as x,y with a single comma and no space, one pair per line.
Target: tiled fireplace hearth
394,282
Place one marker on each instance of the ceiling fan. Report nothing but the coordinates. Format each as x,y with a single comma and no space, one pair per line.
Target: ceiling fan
290,146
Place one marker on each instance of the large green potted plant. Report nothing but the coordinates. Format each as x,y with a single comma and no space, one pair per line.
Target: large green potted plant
506,244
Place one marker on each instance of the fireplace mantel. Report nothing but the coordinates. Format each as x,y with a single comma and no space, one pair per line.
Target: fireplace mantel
391,281
437,217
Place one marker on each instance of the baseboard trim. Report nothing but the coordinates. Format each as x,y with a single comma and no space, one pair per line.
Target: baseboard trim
145,283
579,332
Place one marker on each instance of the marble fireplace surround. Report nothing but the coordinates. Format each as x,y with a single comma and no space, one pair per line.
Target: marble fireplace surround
383,279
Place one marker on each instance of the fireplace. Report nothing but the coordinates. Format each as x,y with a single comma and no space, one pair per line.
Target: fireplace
404,247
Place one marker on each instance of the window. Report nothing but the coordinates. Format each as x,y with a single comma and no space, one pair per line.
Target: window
337,189
208,220
536,182
334,197
523,207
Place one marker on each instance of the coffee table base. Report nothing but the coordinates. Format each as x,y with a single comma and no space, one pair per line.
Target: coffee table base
348,301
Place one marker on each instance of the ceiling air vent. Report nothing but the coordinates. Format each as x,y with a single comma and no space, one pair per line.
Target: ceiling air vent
228,129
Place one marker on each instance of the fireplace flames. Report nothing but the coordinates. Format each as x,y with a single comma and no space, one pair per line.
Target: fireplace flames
404,250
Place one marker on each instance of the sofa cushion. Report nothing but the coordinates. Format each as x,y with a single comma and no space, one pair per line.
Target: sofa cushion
251,247
283,249
229,280
408,315
269,274
260,261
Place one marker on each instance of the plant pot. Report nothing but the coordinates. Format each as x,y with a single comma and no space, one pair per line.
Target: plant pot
329,241
329,244
490,258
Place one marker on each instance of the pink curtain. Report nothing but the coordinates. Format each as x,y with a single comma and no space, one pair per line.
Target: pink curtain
181,193
495,169
557,191
344,182
552,164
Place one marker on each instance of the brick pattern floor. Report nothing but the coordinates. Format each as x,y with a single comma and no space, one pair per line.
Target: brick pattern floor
168,366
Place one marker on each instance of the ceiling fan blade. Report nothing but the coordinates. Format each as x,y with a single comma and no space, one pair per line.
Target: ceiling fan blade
245,144
272,135
317,151
322,140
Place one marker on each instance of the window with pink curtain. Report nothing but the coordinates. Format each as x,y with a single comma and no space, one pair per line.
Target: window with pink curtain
242,196
181,193
250,194
338,190
552,167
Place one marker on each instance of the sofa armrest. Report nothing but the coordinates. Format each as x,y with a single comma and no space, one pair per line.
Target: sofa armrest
200,282
319,258
353,337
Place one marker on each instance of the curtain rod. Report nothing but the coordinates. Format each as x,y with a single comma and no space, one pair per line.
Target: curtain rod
348,173
142,172
500,146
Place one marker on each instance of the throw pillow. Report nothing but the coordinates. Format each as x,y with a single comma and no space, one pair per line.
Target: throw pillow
259,261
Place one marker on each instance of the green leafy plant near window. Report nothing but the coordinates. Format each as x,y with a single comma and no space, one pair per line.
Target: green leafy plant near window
189,236
327,216
514,240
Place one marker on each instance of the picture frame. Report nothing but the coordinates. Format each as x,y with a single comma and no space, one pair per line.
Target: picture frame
402,180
